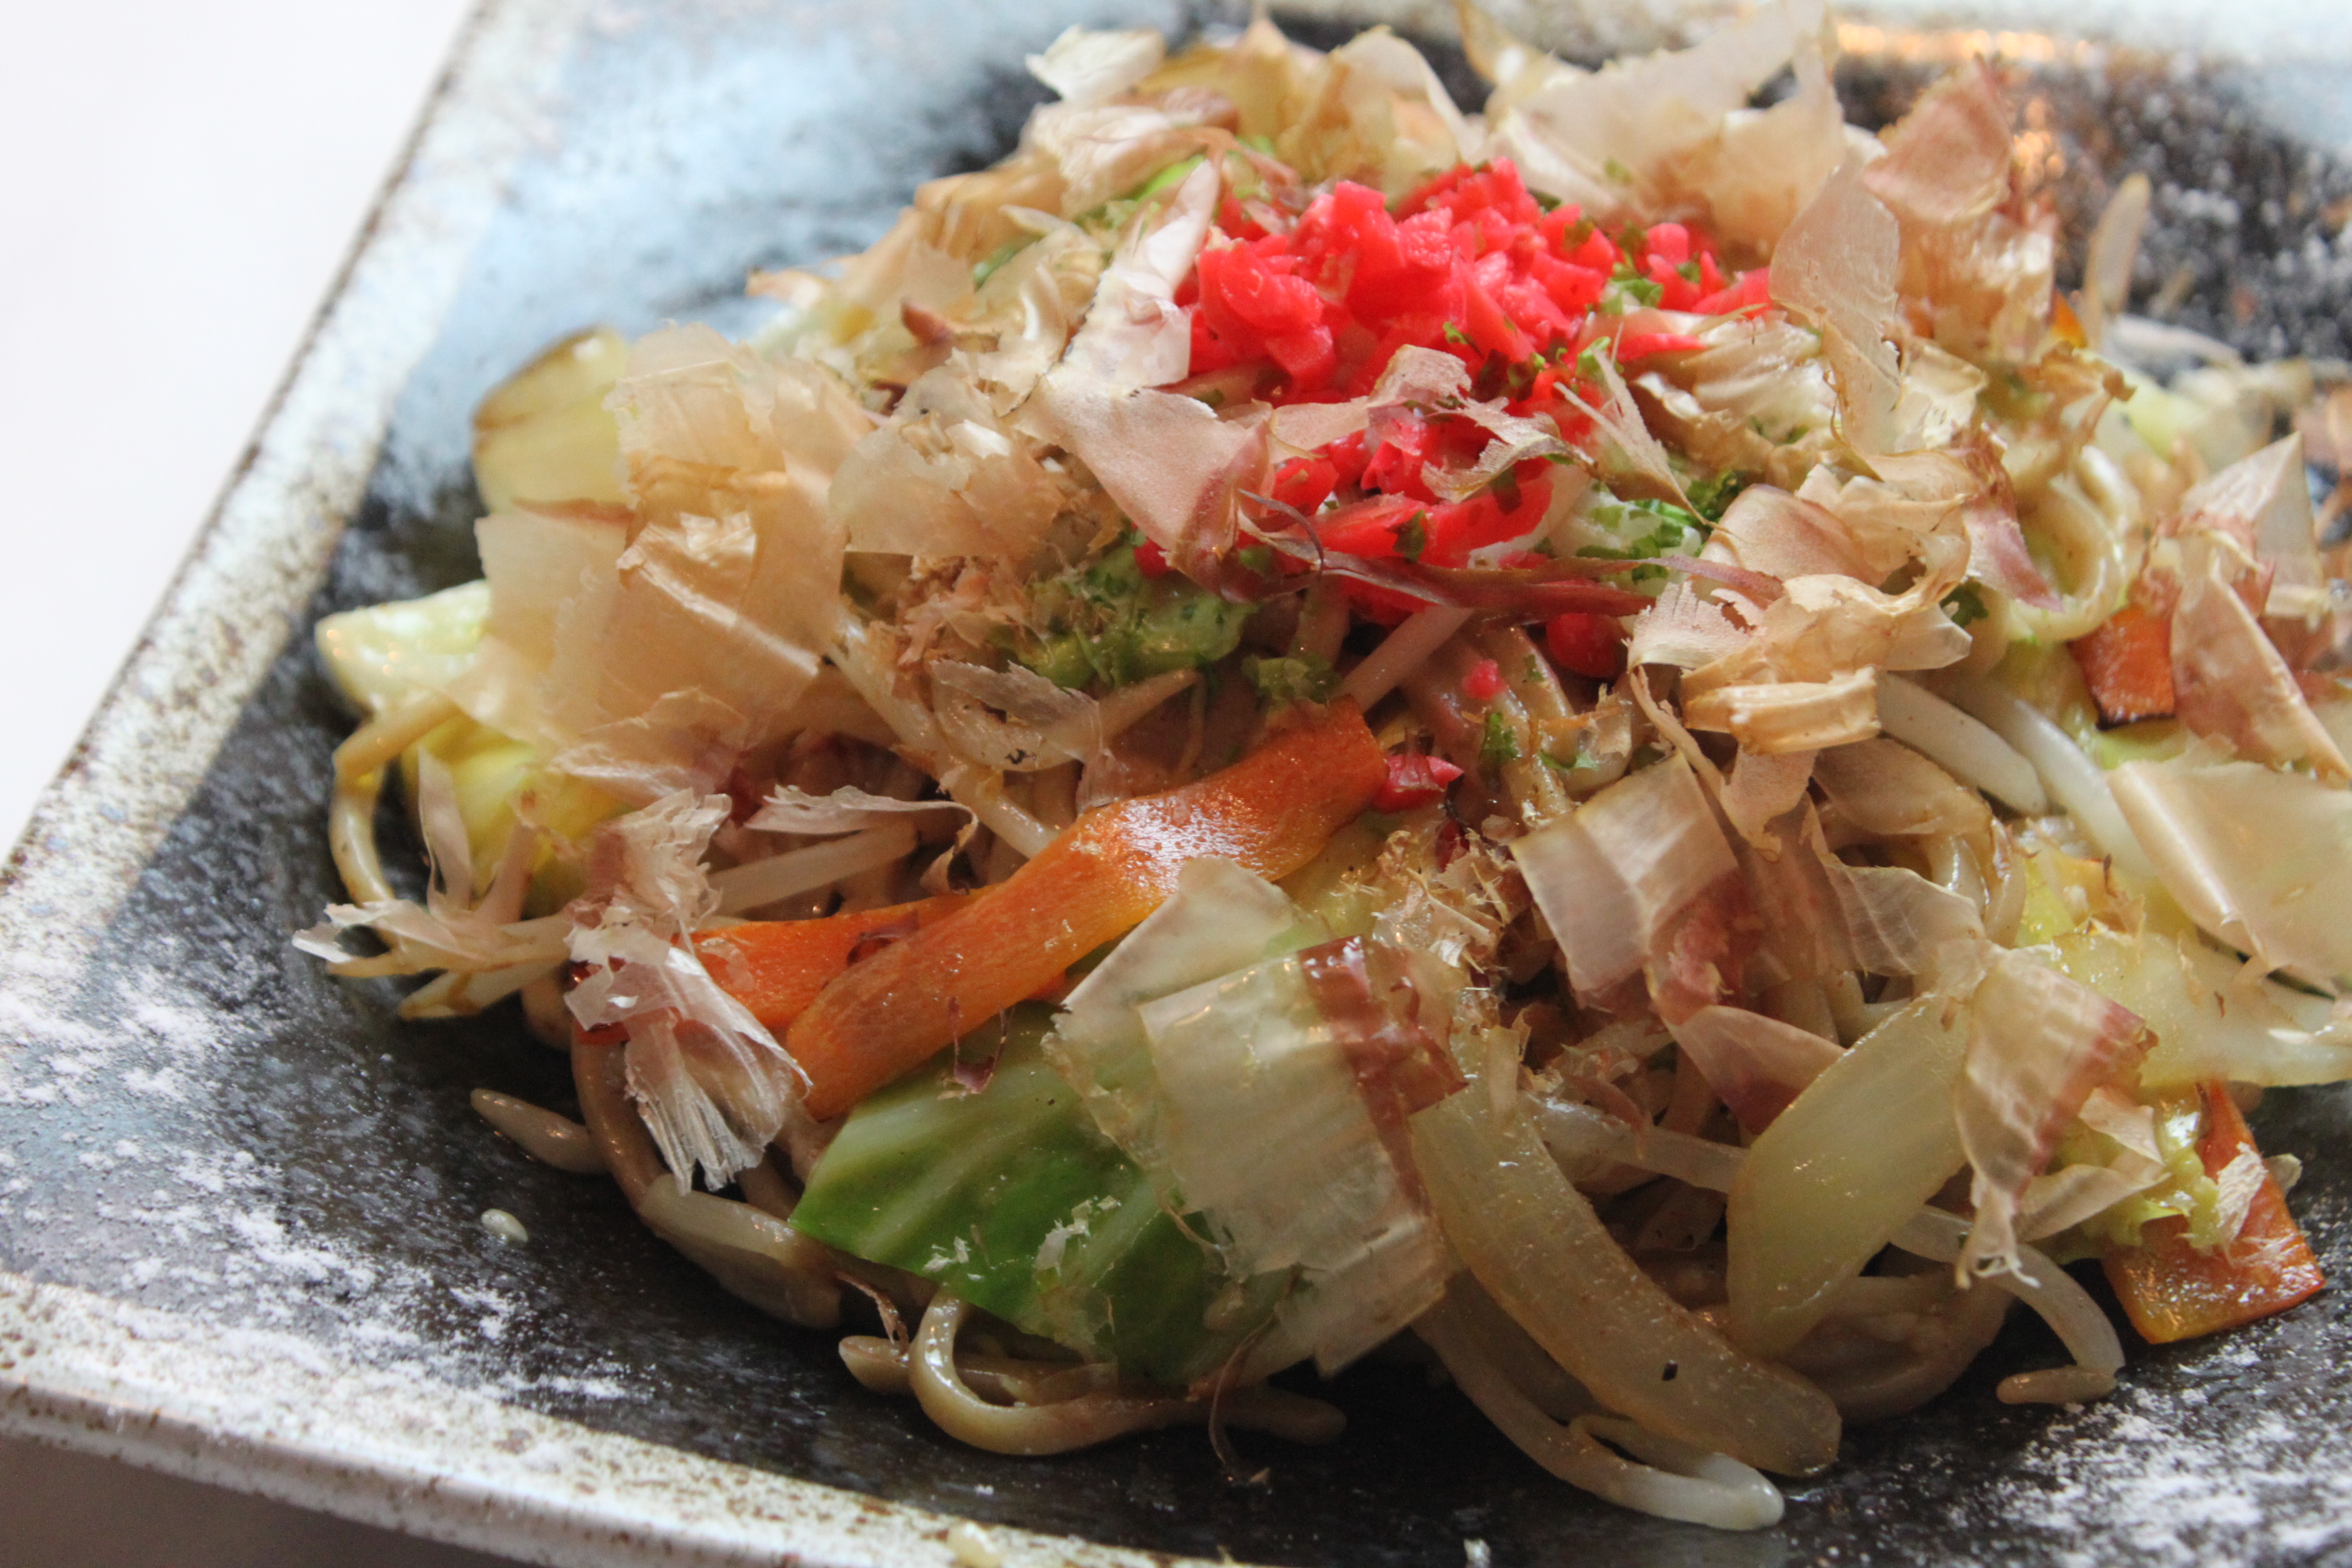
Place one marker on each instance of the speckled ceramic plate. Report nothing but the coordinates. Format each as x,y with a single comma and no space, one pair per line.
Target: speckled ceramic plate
237,1201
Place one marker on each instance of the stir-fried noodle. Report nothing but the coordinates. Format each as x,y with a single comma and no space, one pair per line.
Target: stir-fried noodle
1594,729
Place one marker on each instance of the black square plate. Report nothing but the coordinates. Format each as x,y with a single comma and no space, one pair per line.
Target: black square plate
238,1201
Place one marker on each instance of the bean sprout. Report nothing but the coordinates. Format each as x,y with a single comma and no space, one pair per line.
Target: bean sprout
1404,651
545,1136
1974,753
778,877
2073,779
1677,1480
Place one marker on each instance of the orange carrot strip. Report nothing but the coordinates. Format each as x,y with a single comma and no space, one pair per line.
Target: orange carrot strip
2065,323
1272,812
2173,1292
777,967
2128,663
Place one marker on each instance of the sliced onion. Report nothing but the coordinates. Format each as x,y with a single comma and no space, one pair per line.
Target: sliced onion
1857,1153
1699,1161
1535,1243
1925,1232
1584,1142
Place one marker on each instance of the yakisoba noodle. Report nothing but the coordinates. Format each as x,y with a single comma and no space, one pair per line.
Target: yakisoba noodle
1595,731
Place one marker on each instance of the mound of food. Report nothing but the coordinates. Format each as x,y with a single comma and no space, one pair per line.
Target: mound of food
1595,731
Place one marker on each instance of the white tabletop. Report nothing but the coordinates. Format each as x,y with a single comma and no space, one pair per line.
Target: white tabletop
182,184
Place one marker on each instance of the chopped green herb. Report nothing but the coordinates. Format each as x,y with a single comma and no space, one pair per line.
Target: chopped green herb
1644,289
1712,497
1413,537
1965,604
1618,172
1166,177
1498,746
1455,334
1258,557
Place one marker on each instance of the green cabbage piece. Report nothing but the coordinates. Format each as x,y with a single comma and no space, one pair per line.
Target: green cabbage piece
381,655
1012,1199
490,771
